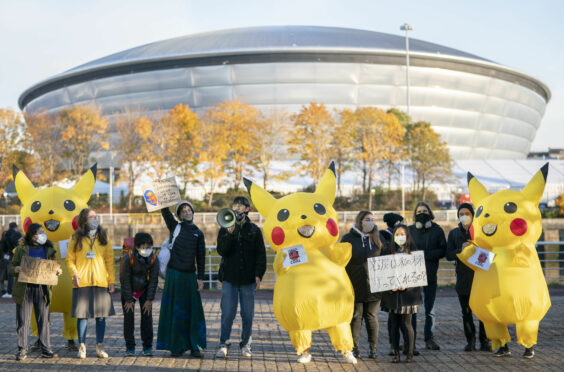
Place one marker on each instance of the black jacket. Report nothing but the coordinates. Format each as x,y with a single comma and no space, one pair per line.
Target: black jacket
357,268
395,300
243,254
386,238
189,247
464,274
10,240
432,241
142,276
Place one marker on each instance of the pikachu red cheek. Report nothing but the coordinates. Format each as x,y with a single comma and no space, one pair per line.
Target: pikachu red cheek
26,223
332,227
75,223
472,232
277,235
518,226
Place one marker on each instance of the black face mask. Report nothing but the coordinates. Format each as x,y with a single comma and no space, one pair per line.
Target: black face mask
422,220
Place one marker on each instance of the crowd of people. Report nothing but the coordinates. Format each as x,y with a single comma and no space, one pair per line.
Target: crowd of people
182,323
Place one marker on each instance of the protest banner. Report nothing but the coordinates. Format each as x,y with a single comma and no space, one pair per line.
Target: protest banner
397,271
161,194
38,271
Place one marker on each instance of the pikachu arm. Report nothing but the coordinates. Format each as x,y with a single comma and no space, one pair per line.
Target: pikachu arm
339,253
465,255
70,260
277,265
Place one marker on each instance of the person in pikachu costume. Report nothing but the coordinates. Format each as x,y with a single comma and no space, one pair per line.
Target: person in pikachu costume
56,209
316,294
513,290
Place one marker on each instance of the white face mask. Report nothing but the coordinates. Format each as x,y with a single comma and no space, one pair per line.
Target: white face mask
145,252
92,224
400,239
465,220
41,239
367,226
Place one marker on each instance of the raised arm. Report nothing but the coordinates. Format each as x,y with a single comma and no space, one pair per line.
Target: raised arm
339,253
169,219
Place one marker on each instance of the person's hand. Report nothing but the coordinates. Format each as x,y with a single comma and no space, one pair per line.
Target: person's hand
231,229
394,290
402,289
148,307
111,288
200,285
75,280
129,306
257,280
59,272
466,244
18,269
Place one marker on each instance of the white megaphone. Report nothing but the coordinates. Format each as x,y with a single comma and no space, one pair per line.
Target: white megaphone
226,217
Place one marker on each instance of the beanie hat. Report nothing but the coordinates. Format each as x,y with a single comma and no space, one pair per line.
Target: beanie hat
392,219
467,206
181,204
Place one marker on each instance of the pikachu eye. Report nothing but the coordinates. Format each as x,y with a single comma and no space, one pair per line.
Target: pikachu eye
320,209
283,215
510,207
479,211
69,205
35,206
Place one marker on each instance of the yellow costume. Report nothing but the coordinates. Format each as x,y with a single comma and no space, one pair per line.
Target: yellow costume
56,209
317,294
513,290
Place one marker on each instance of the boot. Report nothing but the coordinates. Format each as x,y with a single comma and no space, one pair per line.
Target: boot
100,353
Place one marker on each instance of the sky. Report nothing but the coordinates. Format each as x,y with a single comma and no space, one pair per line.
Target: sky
41,38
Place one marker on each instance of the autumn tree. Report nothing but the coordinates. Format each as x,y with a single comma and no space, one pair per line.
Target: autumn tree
12,143
268,145
395,147
343,144
213,155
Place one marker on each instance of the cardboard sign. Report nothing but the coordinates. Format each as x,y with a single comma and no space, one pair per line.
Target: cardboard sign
295,255
482,258
38,271
397,271
161,194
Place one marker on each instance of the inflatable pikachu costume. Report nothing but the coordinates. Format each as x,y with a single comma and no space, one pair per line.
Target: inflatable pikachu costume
57,210
513,290
316,294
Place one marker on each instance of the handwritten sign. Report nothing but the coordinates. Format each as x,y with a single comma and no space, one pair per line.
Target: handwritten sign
295,255
38,271
161,194
482,258
397,271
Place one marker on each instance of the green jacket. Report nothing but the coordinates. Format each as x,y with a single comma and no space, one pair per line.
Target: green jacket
18,292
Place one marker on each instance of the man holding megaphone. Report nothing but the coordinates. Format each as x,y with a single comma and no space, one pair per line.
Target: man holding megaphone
241,246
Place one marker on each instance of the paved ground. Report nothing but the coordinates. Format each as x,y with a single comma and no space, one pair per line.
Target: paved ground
274,352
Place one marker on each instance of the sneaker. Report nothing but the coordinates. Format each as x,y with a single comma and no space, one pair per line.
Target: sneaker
373,354
221,352
71,346
485,346
355,352
6,295
48,354
81,351
246,351
529,353
432,345
349,357
305,357
130,352
35,347
148,351
503,351
100,353
21,355
196,354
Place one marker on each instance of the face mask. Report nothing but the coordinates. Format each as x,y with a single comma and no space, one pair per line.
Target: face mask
41,239
145,252
400,239
465,220
92,224
367,226
422,220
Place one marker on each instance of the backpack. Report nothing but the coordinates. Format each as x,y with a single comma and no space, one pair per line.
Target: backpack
164,254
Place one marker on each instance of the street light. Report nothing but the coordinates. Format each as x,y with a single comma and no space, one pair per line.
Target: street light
407,27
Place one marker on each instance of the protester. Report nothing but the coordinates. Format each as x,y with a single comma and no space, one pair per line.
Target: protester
10,239
458,239
90,261
365,240
26,295
182,325
139,277
430,238
402,303
241,247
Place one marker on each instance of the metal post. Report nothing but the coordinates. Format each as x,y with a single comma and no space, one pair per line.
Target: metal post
402,175
407,27
111,201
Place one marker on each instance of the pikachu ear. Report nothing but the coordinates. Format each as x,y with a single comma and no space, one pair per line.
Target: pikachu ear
24,187
534,189
85,185
328,185
477,191
261,198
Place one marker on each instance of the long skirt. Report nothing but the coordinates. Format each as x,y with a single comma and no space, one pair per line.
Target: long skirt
182,325
92,302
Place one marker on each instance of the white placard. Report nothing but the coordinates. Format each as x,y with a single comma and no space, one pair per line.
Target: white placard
63,246
482,258
161,194
295,255
397,271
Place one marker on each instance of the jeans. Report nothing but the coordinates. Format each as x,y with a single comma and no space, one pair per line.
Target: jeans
429,294
129,325
230,296
468,322
368,311
81,325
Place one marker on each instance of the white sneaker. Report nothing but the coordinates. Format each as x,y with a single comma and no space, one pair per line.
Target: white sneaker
246,351
305,357
6,295
100,353
81,351
349,357
221,352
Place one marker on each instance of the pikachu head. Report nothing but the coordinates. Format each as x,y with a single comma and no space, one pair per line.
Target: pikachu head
302,218
55,208
507,217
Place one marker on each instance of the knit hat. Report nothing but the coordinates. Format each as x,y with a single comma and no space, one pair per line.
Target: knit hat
467,206
182,203
392,219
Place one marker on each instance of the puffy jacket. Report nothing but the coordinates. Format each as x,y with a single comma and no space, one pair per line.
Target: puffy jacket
464,274
357,268
396,299
432,241
141,276
93,272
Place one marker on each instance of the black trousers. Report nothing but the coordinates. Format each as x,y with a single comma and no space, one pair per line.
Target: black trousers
369,312
129,325
34,296
403,322
468,322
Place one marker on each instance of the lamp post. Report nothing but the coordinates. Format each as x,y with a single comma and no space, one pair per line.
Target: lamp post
406,27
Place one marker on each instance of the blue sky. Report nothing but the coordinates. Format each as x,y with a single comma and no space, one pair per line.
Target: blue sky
39,39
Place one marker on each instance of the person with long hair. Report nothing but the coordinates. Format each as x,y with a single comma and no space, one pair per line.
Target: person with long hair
25,295
90,261
365,240
401,303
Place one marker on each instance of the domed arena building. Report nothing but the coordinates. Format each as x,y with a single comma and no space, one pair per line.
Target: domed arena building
483,110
